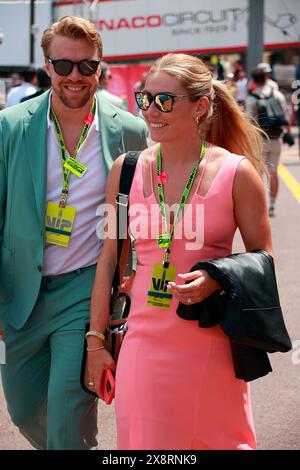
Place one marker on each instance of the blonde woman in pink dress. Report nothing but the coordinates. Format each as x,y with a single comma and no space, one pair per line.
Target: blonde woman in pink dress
175,382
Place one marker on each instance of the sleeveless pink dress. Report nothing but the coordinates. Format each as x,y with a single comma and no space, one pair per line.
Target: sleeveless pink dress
175,382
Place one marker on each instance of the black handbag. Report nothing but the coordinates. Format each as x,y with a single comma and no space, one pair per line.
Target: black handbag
116,329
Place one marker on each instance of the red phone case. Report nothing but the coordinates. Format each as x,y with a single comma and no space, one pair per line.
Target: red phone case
108,386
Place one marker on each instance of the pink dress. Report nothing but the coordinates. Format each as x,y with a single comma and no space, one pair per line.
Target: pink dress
175,382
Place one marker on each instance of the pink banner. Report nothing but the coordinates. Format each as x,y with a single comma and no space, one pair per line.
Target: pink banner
124,81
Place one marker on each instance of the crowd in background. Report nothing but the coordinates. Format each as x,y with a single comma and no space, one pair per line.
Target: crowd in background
31,81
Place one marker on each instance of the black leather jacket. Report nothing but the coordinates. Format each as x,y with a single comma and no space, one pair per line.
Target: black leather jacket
248,312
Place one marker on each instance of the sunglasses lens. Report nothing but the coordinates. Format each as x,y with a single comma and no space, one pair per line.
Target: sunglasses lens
164,102
63,67
142,101
88,67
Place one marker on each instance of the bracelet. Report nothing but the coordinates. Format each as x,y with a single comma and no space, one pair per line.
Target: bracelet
95,333
94,349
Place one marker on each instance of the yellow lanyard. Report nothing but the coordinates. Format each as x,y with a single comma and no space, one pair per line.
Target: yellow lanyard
166,243
66,172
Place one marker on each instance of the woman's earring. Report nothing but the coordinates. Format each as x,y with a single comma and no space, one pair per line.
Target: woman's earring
197,120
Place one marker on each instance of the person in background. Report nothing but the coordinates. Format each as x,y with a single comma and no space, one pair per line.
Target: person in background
237,67
139,85
267,70
2,93
138,112
27,87
16,80
175,382
219,71
265,67
272,143
241,92
43,84
104,79
55,153
230,83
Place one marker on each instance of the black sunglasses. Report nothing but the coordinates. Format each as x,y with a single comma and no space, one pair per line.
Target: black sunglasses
163,101
64,67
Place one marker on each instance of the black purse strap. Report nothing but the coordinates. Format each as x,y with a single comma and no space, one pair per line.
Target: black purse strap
126,177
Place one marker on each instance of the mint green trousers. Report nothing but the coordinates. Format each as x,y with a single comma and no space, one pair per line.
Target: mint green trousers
41,377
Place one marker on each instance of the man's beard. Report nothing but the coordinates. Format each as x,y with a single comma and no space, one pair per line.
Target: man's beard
74,103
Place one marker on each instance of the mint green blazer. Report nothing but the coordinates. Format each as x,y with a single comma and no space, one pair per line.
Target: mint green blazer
23,166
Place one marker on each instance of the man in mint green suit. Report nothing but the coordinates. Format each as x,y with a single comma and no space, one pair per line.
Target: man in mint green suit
48,242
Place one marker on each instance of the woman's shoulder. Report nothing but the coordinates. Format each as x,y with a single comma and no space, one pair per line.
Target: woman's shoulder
222,153
147,156
247,178
218,154
221,157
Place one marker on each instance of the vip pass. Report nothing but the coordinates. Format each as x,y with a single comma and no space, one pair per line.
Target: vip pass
59,223
59,219
162,274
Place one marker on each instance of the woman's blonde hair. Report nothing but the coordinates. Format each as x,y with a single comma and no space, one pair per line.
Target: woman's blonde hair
75,28
224,124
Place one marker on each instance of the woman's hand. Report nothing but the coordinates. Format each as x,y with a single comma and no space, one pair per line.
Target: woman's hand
200,285
97,361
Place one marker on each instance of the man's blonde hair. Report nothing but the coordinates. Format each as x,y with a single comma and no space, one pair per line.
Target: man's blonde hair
75,28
